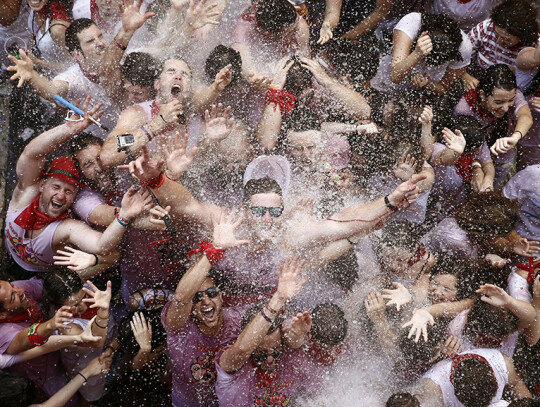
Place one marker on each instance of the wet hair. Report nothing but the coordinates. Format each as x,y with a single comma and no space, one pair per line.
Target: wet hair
487,215
298,78
274,16
219,58
473,131
58,286
498,76
79,143
264,185
518,18
77,26
485,319
474,383
445,36
400,234
421,351
303,119
525,403
357,59
402,400
343,271
252,312
329,325
140,69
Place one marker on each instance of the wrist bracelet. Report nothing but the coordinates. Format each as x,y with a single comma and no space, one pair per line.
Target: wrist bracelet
109,347
34,337
148,135
85,379
121,220
272,311
154,183
388,204
266,317
456,154
520,133
350,241
118,45
212,254
172,179
98,325
97,259
162,118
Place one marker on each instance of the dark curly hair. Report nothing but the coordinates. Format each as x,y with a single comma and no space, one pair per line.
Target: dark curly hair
445,36
517,17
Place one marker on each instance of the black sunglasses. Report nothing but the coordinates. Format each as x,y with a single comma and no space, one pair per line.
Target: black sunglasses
260,211
263,356
211,292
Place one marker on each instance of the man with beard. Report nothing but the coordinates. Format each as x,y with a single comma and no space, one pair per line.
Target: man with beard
37,221
197,325
174,109
97,70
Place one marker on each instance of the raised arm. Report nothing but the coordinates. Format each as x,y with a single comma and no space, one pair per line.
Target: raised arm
354,219
224,238
351,101
371,22
528,59
252,335
516,383
23,69
331,20
403,60
524,122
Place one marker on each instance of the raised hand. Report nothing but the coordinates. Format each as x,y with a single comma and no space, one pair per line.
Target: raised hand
74,259
78,124
257,80
405,168
398,297
134,203
63,315
98,299
325,34
423,45
454,141
315,68
452,346
178,161
504,144
494,295
217,124
289,282
23,68
375,307
199,15
470,82
86,336
98,365
406,193
132,19
144,168
301,323
418,323
427,116
142,331
223,78
496,261
280,73
525,247
420,80
224,229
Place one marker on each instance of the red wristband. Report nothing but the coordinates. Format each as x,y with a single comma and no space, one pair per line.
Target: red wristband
285,100
35,338
154,183
212,254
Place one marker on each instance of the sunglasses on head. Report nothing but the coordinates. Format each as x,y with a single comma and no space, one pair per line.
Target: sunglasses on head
211,292
263,356
260,211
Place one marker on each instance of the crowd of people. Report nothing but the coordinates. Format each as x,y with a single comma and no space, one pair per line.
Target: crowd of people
232,202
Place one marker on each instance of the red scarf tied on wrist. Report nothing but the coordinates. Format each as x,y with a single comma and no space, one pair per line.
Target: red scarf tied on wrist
33,314
464,166
285,100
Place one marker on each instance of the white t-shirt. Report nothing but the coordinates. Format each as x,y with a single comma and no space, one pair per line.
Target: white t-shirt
467,15
411,25
79,88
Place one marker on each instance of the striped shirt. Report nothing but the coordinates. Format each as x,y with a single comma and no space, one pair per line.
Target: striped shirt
489,53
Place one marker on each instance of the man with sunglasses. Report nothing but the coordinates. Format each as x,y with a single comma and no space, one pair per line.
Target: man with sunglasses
258,369
197,326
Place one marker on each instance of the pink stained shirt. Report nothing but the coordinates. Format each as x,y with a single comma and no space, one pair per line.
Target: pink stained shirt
192,354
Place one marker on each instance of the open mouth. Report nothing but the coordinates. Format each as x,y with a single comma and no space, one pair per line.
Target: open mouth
176,90
56,205
208,313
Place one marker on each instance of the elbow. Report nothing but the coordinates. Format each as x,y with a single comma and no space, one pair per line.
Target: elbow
394,76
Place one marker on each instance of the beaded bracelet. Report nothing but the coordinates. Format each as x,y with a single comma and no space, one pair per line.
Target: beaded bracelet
266,317
121,220
119,46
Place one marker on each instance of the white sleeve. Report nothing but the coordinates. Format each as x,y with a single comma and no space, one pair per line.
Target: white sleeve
9,360
410,25
466,51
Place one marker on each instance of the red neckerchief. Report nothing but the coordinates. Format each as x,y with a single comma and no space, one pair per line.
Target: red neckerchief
33,314
154,111
464,166
457,359
32,219
474,103
419,253
484,341
89,313
285,100
265,379
530,268
55,11
103,24
325,356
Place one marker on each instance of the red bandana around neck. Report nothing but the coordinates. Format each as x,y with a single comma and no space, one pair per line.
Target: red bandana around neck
457,359
55,11
32,314
474,103
464,166
32,219
530,268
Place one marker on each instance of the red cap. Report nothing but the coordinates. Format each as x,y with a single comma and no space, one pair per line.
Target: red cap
64,168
